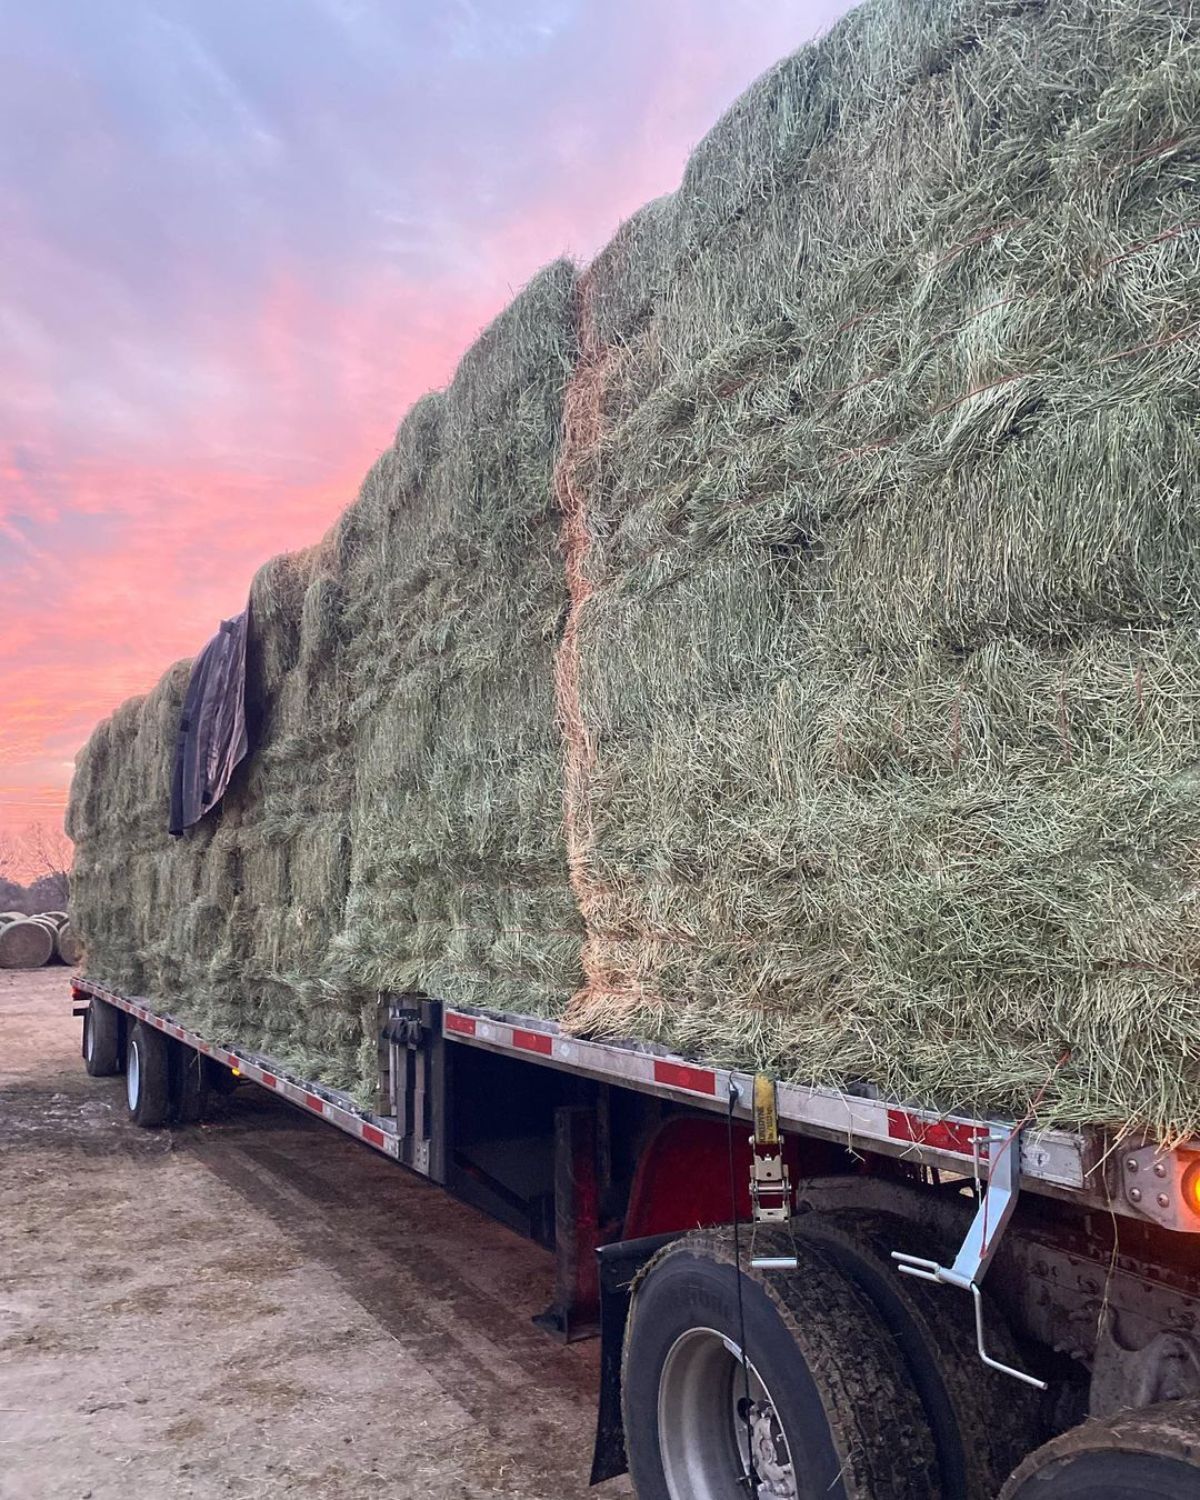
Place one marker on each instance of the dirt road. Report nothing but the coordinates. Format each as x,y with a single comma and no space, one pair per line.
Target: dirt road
255,1307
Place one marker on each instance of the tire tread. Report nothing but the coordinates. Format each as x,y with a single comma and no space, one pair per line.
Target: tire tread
875,1418
997,1420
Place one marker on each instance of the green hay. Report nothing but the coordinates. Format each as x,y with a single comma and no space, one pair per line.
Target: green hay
888,659
877,692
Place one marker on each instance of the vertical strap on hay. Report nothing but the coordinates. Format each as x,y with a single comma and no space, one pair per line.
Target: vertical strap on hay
581,423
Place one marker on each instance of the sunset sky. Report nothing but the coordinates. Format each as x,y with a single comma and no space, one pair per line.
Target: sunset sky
239,239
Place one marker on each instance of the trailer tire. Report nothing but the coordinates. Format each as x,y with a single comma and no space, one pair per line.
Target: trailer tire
1151,1454
148,1076
189,1084
218,1079
983,1423
101,1039
831,1394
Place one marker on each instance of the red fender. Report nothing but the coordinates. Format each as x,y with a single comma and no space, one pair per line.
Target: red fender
682,1177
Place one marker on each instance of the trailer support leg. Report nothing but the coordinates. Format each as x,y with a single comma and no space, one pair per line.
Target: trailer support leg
575,1311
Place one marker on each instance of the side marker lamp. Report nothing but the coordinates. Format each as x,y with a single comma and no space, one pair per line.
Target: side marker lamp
1189,1185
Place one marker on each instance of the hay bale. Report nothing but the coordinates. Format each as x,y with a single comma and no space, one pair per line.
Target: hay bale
25,944
57,917
779,642
881,696
51,928
68,946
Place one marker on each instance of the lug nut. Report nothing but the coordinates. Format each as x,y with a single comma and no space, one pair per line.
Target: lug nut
1131,1163
1164,1200
1135,1195
1160,1169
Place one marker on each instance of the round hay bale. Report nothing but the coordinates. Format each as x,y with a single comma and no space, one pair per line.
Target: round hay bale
57,917
68,945
11,916
25,945
51,926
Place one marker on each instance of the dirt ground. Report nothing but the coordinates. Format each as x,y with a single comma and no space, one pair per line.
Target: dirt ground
255,1307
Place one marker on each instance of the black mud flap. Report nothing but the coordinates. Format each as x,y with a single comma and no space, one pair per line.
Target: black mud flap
619,1265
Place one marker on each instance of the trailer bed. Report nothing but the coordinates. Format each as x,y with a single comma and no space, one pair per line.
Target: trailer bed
1090,1168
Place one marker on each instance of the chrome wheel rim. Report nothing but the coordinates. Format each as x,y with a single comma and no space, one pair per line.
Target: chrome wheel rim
133,1076
89,1037
703,1433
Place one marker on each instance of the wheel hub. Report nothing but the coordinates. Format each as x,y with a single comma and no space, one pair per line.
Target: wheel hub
768,1446
709,1431
133,1077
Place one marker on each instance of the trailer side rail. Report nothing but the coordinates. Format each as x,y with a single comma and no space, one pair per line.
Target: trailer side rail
328,1104
1084,1167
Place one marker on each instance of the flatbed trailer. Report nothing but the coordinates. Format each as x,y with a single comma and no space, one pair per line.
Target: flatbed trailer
799,1290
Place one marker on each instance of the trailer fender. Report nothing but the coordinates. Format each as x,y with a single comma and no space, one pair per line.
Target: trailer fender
682,1176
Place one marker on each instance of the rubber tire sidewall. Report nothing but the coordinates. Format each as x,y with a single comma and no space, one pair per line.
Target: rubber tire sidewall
983,1423
103,1023
686,1292
153,1105
189,1084
1108,1475
218,1079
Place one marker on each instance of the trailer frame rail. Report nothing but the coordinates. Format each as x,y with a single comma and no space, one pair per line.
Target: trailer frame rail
1086,1167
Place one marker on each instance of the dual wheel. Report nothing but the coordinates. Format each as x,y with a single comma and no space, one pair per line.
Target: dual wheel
843,1379
1152,1454
166,1082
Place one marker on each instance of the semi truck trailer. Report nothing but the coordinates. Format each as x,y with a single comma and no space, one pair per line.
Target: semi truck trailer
800,1292
776,648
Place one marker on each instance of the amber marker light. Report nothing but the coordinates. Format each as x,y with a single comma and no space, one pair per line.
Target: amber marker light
1189,1184
237,1072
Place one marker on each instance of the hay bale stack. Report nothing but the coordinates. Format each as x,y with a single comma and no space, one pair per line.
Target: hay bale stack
780,642
25,944
397,826
458,881
887,633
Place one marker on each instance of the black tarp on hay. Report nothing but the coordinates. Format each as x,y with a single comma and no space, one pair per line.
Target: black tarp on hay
867,462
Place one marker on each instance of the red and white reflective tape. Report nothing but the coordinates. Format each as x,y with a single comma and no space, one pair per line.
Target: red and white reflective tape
337,1110
624,1064
960,1136
1053,1157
